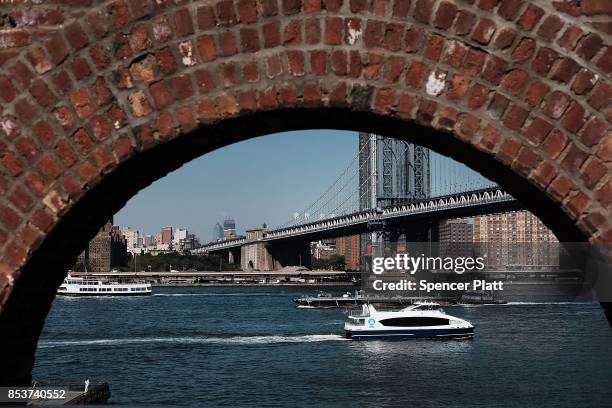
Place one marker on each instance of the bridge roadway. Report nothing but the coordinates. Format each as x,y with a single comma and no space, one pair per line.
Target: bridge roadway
467,204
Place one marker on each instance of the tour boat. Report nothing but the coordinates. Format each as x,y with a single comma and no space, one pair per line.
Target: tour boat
73,286
424,319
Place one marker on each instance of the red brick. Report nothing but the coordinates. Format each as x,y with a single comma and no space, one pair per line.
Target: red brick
206,17
515,81
12,164
484,31
601,96
474,61
504,38
271,34
312,92
524,50
414,39
64,117
206,46
357,6
537,130
494,70
570,37
554,144
226,14
400,8
406,105
339,62
274,66
288,92
508,151
291,6
227,73
313,31
162,31
49,167
269,7
477,97
318,62
515,116
594,131
66,153
103,157
604,196
573,160
574,118
423,10
83,141
21,73
605,149
393,37
544,60
25,110
162,97
15,37
292,34
119,13
117,117
41,92
332,5
80,68
249,40
247,11
247,101
39,60
489,139
182,86
604,62
100,127
459,85
509,9
445,15
447,119
531,16
250,71
433,50
373,33
62,82
100,92
35,183
295,61
565,70
395,68
44,132
550,27
139,38
355,64
556,104
584,81
139,104
589,46
26,147
578,204
100,56
167,64
592,172
560,188
82,103
9,92
526,161
426,112
467,126
455,53
464,22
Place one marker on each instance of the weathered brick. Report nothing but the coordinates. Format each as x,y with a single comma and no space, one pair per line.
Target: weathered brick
537,130
271,34
445,15
485,28
594,131
589,46
139,103
292,34
573,159
531,16
82,103
206,47
556,104
162,97
515,116
41,92
423,10
373,33
565,70
524,50
226,14
592,172
509,9
249,40
504,39
584,81
574,118
515,81
464,22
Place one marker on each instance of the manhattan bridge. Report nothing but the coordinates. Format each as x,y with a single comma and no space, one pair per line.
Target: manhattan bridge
389,189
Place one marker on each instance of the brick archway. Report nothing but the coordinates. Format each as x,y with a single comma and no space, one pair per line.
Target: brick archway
93,93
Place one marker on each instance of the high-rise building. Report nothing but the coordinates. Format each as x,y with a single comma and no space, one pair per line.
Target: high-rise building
131,237
179,233
456,237
217,232
515,239
166,235
107,249
349,248
229,228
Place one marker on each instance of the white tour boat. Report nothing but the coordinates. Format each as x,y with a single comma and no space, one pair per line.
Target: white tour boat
73,286
415,321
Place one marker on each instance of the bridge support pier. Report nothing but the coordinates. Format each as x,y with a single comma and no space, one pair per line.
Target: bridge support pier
290,254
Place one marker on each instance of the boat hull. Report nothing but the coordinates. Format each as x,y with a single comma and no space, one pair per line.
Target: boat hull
411,333
102,294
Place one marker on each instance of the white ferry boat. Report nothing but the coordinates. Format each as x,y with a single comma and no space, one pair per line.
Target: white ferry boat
415,321
73,286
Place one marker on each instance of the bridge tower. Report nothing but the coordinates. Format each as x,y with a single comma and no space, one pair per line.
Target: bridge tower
390,172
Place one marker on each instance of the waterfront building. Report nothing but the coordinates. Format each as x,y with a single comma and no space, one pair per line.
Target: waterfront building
456,238
107,249
349,248
179,234
132,237
514,240
323,249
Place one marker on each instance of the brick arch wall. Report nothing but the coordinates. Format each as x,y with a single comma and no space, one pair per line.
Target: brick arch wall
519,90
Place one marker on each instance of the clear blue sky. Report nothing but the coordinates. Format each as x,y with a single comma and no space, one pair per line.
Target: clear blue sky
264,179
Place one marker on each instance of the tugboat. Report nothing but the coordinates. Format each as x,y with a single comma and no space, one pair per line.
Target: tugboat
421,320
73,286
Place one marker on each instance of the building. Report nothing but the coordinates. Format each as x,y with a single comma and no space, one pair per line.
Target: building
148,240
323,249
514,240
229,228
456,238
166,235
217,234
132,238
179,233
349,248
188,243
107,249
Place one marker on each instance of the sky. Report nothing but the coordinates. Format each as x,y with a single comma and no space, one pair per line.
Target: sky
264,179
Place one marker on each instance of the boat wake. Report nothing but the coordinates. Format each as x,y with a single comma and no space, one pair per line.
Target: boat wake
215,294
235,340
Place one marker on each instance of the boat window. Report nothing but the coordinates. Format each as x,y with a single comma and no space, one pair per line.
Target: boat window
414,321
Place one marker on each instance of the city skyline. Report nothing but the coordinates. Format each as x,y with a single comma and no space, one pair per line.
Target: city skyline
197,195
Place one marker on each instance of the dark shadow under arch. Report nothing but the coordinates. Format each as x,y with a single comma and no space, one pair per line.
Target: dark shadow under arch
34,291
